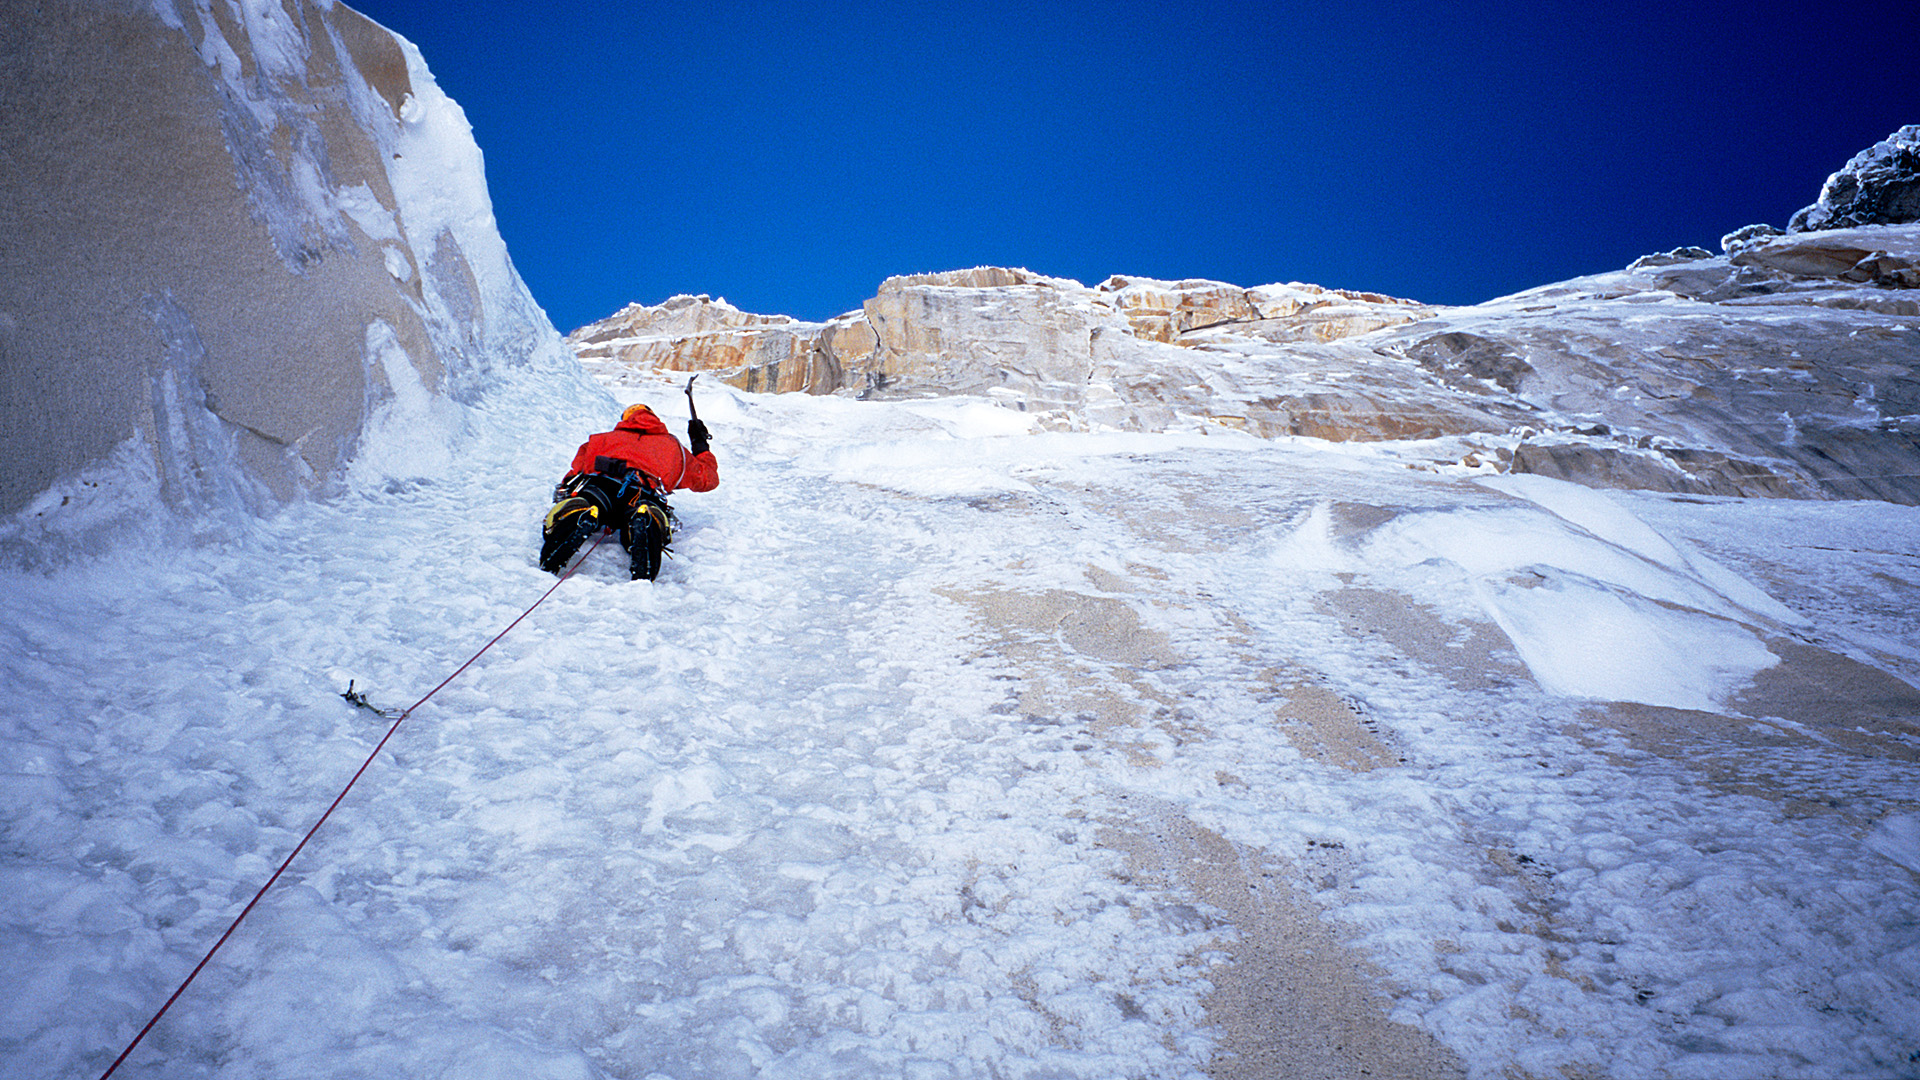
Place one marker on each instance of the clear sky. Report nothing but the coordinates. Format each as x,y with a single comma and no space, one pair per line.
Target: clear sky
789,157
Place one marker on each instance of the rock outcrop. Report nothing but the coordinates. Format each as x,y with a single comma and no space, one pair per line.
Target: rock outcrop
1876,255
767,353
1774,372
1025,336
1789,366
1878,186
233,245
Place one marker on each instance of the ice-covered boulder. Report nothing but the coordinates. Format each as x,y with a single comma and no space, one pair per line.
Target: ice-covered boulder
242,242
1878,186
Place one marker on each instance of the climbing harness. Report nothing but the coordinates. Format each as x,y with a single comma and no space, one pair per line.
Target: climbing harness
614,495
359,700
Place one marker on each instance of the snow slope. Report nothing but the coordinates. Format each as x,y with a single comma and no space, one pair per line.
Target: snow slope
838,795
889,774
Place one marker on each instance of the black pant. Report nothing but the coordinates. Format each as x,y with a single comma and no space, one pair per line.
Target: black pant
625,504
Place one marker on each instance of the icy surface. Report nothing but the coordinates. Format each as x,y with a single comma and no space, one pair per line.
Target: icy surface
781,814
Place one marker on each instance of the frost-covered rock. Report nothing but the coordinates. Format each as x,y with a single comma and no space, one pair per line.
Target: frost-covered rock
249,250
1731,243
1878,186
1776,372
1670,258
1886,256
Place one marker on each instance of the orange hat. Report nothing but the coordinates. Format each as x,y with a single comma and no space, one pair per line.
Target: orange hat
633,411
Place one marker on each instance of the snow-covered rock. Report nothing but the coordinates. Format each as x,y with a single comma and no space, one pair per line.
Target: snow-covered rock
1731,243
1878,186
1882,255
1727,376
245,243
1670,258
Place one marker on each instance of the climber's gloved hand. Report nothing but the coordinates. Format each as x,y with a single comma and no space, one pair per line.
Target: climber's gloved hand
697,435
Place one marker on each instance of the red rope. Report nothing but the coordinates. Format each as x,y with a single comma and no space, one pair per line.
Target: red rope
184,983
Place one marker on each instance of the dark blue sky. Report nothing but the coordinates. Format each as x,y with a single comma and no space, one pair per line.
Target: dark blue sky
789,157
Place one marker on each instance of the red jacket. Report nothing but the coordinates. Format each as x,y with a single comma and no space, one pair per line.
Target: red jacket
642,441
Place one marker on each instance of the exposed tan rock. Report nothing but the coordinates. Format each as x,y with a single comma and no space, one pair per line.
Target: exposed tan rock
1169,311
1299,312
1032,337
1157,311
979,277
1049,345
762,353
681,316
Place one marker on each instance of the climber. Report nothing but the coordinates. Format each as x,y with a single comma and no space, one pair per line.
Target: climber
619,481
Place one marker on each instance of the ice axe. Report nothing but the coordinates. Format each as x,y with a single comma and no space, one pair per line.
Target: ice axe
696,431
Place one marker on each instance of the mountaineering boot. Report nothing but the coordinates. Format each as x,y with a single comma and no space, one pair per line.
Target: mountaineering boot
645,537
568,525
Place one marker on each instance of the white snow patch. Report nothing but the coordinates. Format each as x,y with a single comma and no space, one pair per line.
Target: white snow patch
1597,604
1607,520
1583,638
1897,836
410,430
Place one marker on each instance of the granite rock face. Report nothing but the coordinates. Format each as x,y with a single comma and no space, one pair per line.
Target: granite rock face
232,244
1877,255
